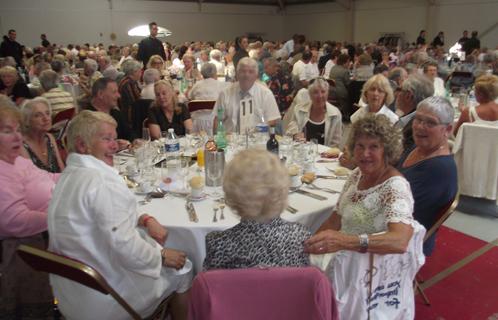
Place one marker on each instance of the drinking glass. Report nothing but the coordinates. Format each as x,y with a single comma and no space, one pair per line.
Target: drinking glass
146,134
215,174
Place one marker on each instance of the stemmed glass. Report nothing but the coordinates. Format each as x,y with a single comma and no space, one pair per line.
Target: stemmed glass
214,174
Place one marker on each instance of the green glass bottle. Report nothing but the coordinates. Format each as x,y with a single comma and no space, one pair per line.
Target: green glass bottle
221,136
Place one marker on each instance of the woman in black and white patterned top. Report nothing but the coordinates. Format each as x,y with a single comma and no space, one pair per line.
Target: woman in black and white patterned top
256,188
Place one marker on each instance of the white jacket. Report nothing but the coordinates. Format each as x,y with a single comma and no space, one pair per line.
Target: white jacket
333,122
93,218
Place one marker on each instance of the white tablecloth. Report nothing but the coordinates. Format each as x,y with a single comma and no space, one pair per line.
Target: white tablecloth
190,236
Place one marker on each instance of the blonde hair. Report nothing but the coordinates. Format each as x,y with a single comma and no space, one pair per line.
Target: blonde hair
152,58
377,126
8,70
27,111
174,97
85,126
487,87
382,83
256,185
9,110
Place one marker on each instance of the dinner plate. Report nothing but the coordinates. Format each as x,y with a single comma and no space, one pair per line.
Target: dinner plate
186,268
201,197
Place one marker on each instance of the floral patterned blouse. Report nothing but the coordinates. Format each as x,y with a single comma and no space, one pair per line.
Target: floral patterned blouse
370,210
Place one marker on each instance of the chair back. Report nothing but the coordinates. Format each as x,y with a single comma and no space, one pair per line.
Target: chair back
63,115
195,105
46,261
443,215
256,293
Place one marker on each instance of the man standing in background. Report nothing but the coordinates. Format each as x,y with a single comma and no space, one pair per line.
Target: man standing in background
10,47
150,45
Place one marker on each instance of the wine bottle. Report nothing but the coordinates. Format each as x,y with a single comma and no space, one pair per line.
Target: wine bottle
272,144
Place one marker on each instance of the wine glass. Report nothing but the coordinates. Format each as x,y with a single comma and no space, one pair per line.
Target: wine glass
214,174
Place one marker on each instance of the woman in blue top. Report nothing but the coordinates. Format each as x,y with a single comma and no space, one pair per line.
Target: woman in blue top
430,168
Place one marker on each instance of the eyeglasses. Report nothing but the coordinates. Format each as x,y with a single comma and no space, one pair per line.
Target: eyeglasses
426,122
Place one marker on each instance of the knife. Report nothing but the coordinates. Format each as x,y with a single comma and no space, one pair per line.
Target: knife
311,194
192,215
331,177
291,209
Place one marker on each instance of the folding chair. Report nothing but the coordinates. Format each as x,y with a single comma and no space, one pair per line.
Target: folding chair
200,111
46,261
442,216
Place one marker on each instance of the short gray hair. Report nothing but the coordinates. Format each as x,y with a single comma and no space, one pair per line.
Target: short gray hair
256,185
318,83
130,66
208,70
440,106
396,73
85,126
247,62
151,75
49,79
420,87
27,110
215,53
92,64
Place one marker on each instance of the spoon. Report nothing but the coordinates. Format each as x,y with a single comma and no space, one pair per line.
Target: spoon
314,186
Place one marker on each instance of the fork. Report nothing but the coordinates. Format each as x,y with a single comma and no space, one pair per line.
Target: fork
222,206
215,210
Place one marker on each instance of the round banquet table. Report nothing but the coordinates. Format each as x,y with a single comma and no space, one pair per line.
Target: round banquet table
189,236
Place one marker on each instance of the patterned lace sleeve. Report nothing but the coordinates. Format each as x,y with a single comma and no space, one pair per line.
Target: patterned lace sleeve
352,180
397,201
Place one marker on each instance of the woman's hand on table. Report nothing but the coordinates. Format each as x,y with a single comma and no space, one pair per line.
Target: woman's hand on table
173,258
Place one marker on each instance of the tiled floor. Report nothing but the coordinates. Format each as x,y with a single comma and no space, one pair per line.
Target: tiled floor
481,227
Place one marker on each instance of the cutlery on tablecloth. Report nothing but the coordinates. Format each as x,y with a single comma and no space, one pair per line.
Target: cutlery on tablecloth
192,215
291,209
311,194
215,210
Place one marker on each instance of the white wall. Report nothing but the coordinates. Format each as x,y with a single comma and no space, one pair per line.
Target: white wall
70,21
80,21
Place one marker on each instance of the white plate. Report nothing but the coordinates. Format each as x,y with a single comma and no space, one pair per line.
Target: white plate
186,268
170,187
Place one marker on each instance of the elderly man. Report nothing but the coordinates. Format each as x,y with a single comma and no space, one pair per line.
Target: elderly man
279,83
59,99
413,90
209,88
246,88
430,71
106,67
105,95
89,76
150,46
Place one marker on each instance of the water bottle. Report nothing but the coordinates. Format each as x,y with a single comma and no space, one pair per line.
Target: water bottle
221,138
172,146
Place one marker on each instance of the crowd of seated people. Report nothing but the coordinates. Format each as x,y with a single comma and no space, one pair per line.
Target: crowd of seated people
395,154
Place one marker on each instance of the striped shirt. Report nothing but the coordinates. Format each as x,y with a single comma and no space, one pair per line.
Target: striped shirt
59,99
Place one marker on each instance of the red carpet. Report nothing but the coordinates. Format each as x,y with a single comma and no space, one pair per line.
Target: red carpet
470,292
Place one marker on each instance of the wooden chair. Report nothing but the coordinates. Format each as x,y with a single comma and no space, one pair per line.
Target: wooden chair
196,105
200,112
442,216
46,261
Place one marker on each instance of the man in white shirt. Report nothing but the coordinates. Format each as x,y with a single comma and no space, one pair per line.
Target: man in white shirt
303,70
430,71
265,106
215,56
209,88
330,63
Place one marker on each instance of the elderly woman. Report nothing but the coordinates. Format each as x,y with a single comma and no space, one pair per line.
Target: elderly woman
129,89
12,85
87,79
374,210
96,221
317,119
209,88
59,99
430,167
256,188
486,91
39,144
157,62
167,112
25,193
378,94
150,77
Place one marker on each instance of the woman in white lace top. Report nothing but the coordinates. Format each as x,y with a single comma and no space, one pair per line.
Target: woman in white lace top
374,211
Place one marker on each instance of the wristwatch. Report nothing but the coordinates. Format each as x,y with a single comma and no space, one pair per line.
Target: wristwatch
363,242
